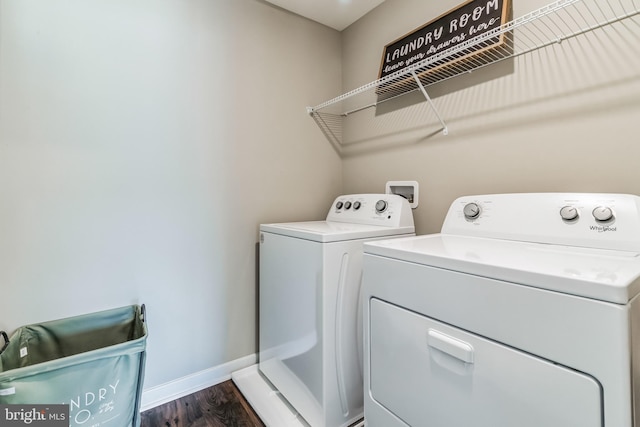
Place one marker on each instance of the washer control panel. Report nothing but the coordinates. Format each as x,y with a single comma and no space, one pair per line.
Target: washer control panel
607,221
375,209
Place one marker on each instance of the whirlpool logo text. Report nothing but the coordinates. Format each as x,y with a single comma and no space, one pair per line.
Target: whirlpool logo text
603,228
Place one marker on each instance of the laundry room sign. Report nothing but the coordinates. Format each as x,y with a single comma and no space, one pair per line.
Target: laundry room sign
468,20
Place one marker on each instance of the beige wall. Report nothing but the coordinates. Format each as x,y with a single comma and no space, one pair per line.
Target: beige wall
141,144
560,119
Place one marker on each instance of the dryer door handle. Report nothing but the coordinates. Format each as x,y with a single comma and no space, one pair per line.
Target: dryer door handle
452,346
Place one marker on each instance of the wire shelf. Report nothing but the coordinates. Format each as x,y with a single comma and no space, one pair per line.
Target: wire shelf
548,25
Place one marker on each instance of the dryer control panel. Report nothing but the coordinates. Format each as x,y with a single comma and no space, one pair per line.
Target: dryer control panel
389,210
595,220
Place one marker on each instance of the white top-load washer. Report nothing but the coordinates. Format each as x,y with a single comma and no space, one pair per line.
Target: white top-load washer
522,312
310,316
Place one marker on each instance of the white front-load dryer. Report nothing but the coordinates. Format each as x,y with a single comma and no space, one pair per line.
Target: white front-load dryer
310,317
523,311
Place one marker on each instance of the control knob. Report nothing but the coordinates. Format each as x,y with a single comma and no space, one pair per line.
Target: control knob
356,206
471,211
569,213
381,206
603,214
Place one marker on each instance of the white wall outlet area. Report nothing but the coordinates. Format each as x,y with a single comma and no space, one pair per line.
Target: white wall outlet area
406,189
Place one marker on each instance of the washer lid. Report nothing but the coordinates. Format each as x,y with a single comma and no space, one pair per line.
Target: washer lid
332,231
601,274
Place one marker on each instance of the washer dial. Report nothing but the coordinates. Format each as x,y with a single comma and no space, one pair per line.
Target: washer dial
569,213
381,206
471,211
603,214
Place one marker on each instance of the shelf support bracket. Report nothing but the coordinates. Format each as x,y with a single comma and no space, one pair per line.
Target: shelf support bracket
445,129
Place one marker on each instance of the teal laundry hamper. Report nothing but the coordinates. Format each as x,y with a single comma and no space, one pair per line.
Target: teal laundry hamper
93,362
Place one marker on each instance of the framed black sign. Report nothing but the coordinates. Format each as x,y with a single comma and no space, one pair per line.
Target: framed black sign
469,20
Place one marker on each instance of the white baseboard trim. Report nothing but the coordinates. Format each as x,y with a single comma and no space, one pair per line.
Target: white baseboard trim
159,395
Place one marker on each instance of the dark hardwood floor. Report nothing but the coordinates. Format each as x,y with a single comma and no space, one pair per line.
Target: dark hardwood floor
219,406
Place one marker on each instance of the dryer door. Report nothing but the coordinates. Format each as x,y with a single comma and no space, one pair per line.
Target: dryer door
428,373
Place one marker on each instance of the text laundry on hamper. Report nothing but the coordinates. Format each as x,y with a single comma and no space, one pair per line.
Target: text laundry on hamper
94,363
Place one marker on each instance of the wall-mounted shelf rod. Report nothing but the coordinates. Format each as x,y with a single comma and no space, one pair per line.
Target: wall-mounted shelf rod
445,130
546,26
